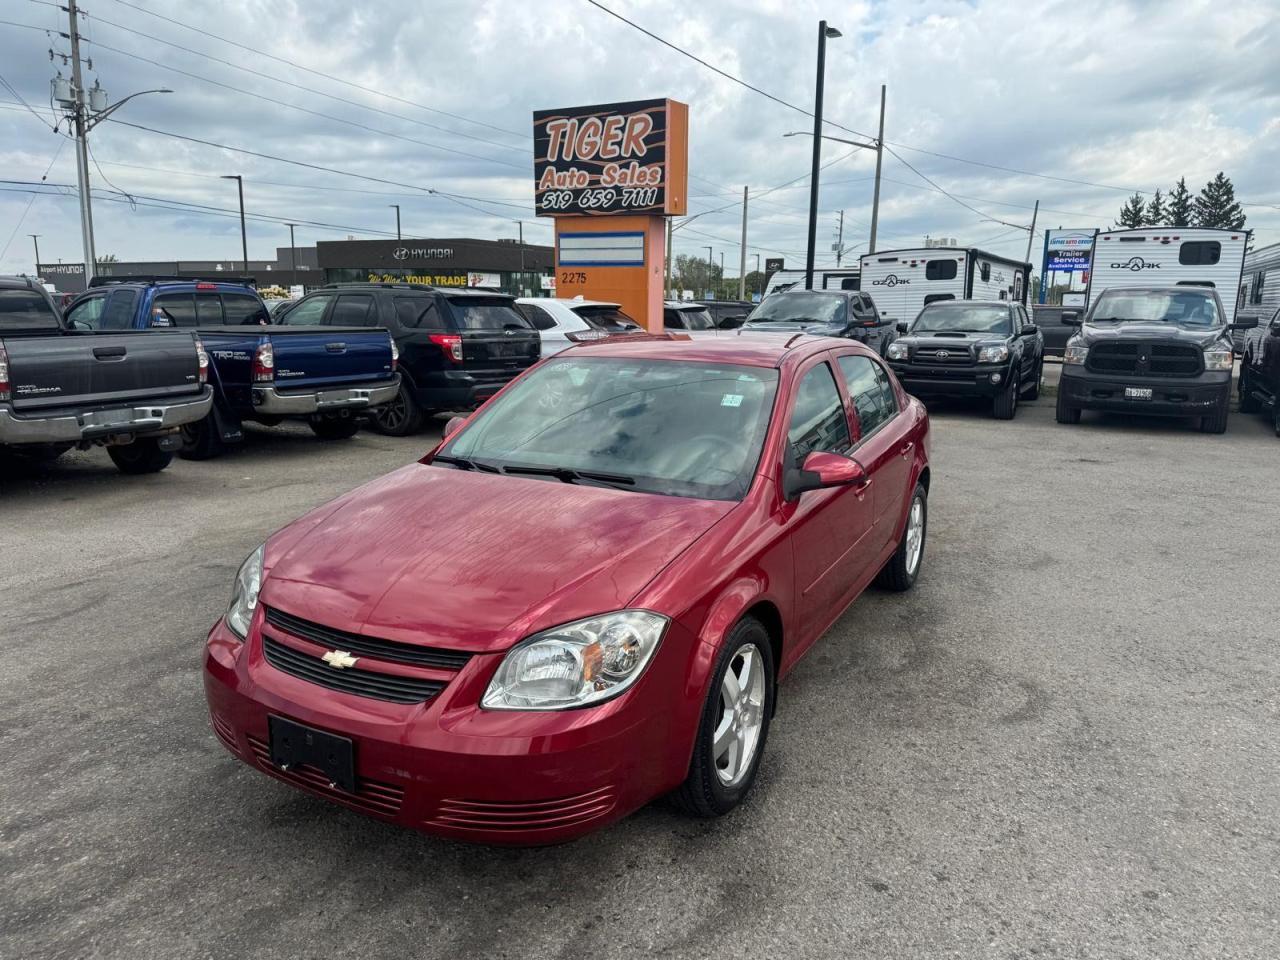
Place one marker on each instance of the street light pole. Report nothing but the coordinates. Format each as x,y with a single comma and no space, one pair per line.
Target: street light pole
244,241
711,268
742,251
758,274
35,238
293,260
397,206
823,33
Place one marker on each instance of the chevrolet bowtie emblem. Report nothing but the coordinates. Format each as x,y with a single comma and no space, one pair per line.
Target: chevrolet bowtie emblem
339,659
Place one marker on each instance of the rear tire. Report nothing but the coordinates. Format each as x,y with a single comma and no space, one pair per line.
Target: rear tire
327,428
1005,404
1275,416
142,456
1066,413
710,790
1216,422
1248,402
1033,393
402,417
903,568
201,440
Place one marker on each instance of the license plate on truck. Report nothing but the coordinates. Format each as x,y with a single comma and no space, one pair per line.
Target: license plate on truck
1137,393
293,744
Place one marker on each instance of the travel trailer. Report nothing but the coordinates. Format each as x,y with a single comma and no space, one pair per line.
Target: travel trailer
902,282
839,279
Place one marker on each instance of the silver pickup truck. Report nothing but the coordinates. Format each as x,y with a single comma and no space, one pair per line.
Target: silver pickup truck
62,388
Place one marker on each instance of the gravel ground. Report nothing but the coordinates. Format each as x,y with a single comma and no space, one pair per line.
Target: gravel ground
1061,744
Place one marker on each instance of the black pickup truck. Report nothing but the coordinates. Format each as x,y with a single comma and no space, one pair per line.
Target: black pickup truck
971,348
1260,367
62,387
1156,351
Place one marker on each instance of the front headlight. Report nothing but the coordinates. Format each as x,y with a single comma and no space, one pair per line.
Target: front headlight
244,596
576,664
995,354
1218,358
1076,354
898,351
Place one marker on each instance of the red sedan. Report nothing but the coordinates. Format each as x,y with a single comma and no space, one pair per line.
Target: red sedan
585,597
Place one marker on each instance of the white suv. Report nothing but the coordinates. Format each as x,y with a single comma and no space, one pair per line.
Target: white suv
562,323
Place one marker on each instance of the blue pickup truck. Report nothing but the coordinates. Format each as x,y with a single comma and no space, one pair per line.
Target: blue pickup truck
329,377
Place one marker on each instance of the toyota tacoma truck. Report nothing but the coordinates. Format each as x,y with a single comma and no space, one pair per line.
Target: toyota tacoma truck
1158,351
971,348
64,387
328,377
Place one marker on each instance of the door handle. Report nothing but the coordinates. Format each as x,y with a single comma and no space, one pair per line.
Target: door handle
907,448
336,347
108,353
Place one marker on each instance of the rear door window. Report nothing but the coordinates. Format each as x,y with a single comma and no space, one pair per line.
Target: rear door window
241,308
119,312
609,319
539,317
353,310
308,312
86,312
673,319
179,309
418,313
483,313
871,392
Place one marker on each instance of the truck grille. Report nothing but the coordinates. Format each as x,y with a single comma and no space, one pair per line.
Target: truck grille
1145,358
942,355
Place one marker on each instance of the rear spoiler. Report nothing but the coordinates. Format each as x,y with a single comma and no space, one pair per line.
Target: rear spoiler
158,278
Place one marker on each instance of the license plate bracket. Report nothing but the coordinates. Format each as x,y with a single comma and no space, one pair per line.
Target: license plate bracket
292,744
1137,393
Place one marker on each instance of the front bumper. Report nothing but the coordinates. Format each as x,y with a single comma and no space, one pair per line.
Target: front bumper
970,380
284,403
445,766
1170,396
76,426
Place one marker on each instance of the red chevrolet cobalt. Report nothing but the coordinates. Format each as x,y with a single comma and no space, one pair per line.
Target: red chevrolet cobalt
585,597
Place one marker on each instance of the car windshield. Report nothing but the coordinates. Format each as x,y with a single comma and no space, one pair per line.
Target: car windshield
801,306
609,319
480,313
963,318
1188,307
26,310
658,426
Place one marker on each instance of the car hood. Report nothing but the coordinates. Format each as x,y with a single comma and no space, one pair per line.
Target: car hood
1151,330
817,327
474,561
958,339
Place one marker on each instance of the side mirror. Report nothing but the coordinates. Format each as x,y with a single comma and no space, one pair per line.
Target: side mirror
821,470
1071,318
1248,323
453,426
1275,327
902,326
1030,330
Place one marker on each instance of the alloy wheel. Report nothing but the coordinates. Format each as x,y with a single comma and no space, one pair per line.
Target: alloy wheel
737,732
915,534
392,416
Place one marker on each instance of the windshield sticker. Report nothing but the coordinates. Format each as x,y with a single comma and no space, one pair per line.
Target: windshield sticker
731,400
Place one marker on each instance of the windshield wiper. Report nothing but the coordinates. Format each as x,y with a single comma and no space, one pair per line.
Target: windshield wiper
569,475
466,463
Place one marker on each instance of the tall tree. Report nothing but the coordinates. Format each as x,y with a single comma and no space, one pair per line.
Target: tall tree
1157,214
1180,204
1133,213
1216,205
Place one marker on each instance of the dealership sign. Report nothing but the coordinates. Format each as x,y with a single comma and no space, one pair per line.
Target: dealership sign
613,158
1068,251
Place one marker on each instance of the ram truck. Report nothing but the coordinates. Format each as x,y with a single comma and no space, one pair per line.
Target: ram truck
63,386
328,377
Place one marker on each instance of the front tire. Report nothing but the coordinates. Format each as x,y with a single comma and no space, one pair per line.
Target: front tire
903,568
402,417
1248,402
334,428
1065,412
1216,422
201,440
734,725
142,456
1006,402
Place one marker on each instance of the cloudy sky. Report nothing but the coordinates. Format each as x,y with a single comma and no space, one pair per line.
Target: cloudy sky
396,99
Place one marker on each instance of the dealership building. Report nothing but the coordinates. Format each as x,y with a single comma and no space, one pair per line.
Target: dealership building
520,269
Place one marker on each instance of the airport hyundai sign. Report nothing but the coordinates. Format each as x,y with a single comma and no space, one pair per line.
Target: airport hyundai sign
613,158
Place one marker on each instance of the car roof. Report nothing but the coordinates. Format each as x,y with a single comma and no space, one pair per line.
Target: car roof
754,350
974,303
684,304
20,283
1181,288
569,302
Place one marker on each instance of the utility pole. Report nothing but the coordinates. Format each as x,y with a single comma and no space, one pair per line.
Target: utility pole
293,259
397,206
711,269
875,199
35,238
244,242
520,228
760,275
840,241
742,250
1031,234
823,33
82,149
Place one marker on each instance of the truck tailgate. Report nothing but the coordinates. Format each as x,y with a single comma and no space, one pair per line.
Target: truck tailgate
328,356
101,368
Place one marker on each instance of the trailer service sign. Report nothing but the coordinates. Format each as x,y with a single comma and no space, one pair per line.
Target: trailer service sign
613,158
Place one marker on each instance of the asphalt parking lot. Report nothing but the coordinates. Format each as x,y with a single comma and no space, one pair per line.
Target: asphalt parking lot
1061,744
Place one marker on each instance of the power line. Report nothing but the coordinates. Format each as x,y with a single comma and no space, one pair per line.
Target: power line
949,195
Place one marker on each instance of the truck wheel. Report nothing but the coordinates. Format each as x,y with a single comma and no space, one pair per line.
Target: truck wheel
402,417
904,566
1216,422
1248,402
1006,402
1033,389
1066,413
333,428
200,440
1275,416
142,456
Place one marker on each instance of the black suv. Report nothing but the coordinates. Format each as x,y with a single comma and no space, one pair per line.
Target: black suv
728,314
826,313
1160,351
971,348
457,347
